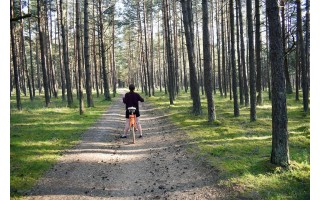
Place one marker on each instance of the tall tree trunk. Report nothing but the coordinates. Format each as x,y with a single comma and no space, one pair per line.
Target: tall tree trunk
268,59
94,50
188,27
213,48
297,53
176,58
81,107
185,78
223,54
52,77
233,63
62,72
207,62
14,56
43,56
286,67
168,51
31,54
38,68
114,76
145,23
307,49
87,56
24,56
218,48
258,53
302,60
280,148
239,55
251,63
103,52
243,60
65,57
199,63
151,53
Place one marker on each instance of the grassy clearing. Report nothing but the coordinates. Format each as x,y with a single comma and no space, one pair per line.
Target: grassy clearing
241,149
39,135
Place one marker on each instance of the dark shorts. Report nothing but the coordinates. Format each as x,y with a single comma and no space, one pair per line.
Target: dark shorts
137,113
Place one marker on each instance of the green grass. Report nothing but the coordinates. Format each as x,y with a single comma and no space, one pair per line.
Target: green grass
240,150
39,135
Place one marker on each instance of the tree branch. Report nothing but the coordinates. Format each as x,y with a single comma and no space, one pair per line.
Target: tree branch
20,17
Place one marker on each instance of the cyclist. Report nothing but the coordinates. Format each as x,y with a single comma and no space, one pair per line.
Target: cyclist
132,99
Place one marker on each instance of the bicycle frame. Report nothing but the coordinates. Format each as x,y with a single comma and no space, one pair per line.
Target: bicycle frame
132,122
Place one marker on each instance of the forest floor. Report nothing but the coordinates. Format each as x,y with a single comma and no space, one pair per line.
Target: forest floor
159,166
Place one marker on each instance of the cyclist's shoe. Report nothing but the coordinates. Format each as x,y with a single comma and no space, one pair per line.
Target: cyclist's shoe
123,136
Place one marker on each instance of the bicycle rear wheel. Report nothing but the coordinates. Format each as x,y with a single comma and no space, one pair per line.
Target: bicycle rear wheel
133,135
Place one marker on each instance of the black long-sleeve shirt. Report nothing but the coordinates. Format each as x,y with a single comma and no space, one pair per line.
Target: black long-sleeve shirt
132,99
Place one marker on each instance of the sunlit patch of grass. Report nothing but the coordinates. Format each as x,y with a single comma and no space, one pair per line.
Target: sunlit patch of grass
241,149
39,135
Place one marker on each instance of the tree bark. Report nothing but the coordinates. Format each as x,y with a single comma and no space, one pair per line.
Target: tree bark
14,56
188,27
207,62
81,107
218,48
87,56
239,55
251,63
103,52
288,82
258,53
65,57
168,52
43,56
233,63
280,149
302,60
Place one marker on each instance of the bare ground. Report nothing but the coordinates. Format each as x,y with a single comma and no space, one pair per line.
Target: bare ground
103,166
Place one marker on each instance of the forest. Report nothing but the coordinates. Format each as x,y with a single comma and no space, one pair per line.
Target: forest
249,53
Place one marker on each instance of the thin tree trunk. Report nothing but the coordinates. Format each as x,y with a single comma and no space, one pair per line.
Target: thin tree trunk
94,49
81,107
103,52
233,63
188,27
243,60
207,62
31,56
168,52
304,79
43,56
239,55
87,56
63,83
223,54
258,53
218,48
65,57
14,56
251,63
114,78
288,82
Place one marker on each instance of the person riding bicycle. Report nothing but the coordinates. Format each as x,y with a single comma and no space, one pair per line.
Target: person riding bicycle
131,99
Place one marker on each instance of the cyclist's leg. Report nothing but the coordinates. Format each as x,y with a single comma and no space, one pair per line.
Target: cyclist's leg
127,127
139,126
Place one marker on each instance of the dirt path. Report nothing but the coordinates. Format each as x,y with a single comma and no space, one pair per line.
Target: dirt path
104,166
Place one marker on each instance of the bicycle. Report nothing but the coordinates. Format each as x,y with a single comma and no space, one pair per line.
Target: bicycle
132,122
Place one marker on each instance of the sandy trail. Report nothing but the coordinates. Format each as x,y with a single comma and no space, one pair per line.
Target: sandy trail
103,166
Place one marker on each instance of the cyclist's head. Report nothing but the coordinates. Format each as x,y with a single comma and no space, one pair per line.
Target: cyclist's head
131,87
